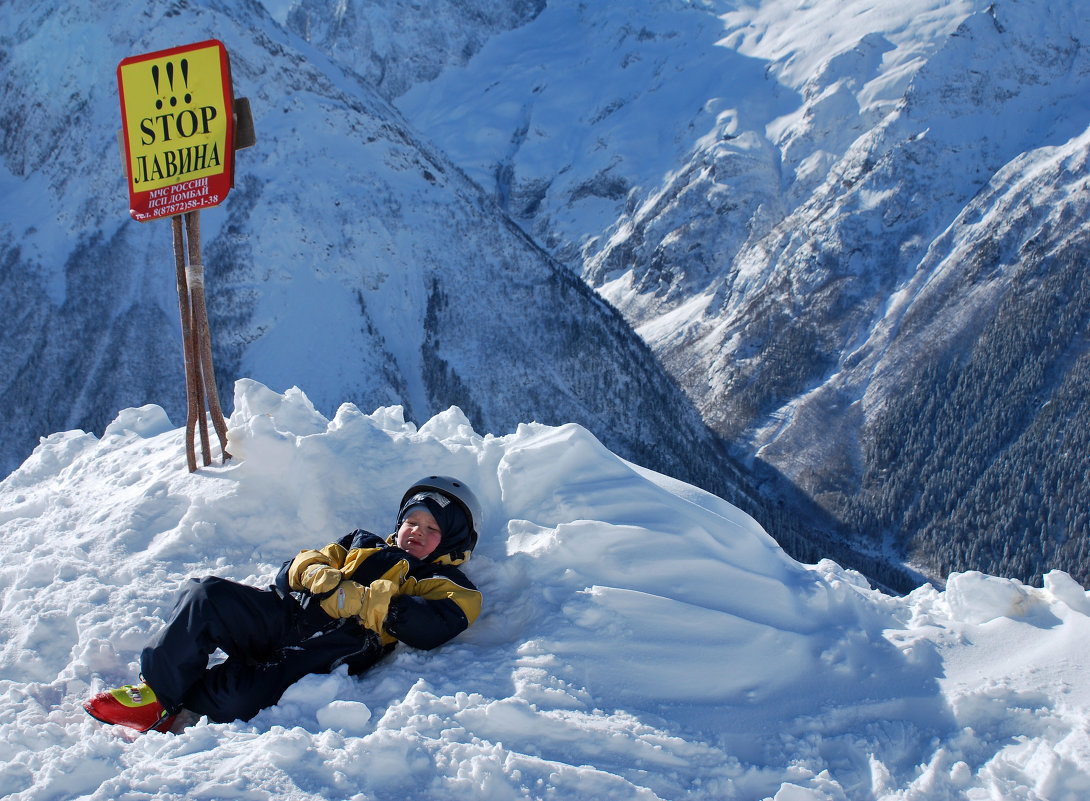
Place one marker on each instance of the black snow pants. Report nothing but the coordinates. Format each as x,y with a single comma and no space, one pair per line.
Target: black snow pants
270,640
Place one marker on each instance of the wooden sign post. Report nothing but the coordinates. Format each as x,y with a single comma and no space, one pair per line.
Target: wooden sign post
180,129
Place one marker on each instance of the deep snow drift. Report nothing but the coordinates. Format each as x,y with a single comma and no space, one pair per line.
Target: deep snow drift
640,638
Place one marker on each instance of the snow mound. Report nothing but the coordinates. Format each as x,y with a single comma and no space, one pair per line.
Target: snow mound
640,638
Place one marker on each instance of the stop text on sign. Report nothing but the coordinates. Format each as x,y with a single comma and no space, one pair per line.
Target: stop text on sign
177,125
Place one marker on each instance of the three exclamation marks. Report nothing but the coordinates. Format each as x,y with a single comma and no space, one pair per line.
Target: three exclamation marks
184,65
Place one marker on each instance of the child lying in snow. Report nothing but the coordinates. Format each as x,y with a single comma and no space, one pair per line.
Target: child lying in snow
347,604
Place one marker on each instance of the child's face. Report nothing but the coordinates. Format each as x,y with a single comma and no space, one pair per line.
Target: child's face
419,534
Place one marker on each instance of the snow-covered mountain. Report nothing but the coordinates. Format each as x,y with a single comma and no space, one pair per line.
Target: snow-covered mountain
352,259
396,44
639,639
851,231
854,231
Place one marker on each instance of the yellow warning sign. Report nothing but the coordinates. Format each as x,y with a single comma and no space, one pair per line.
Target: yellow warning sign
176,111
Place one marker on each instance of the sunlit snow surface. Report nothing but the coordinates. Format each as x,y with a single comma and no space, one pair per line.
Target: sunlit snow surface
640,639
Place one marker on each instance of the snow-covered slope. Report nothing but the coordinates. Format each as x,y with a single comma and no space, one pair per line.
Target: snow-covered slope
813,211
351,259
395,44
640,638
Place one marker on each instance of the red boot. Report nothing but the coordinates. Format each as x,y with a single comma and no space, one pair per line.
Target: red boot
133,706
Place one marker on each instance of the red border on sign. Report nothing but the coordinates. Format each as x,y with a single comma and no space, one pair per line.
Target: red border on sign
184,195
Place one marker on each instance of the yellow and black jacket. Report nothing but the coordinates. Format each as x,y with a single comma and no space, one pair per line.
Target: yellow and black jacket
422,603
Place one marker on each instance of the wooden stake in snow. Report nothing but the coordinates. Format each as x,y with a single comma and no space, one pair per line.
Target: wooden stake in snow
200,377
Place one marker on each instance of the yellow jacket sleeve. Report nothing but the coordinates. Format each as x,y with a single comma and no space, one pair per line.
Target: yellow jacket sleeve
304,564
